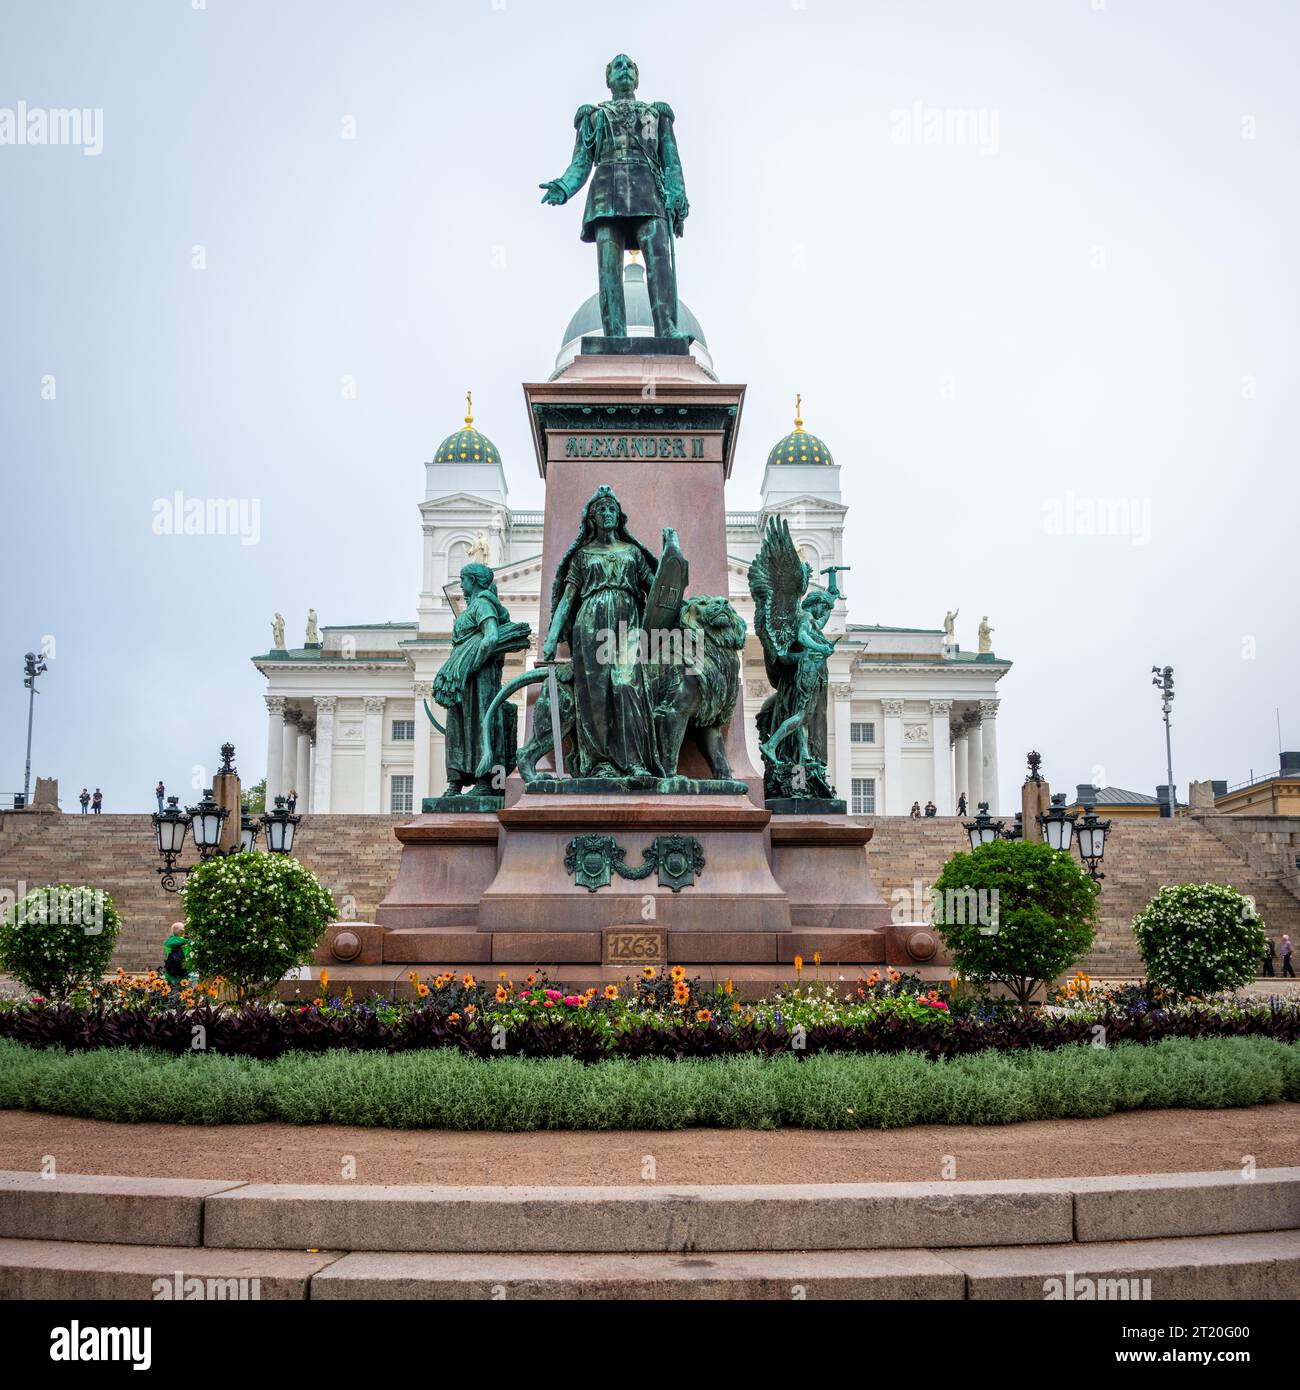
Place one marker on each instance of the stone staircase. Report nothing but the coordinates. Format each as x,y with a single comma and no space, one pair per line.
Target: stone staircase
356,857
1164,1236
1142,855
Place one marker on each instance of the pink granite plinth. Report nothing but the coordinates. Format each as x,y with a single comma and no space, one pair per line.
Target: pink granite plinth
448,860
534,893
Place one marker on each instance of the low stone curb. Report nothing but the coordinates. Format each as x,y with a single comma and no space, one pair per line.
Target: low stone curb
87,1207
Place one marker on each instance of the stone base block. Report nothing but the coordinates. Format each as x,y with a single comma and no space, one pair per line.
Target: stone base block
821,863
448,859
806,806
851,948
436,946
534,948
637,347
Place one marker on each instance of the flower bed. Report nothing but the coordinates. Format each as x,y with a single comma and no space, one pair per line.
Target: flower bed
656,1015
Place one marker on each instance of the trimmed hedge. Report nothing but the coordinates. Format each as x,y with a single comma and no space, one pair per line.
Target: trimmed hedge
444,1089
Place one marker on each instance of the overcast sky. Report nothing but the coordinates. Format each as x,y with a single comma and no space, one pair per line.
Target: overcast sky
1023,260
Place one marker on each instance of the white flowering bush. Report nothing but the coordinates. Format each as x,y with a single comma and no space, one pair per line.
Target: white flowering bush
59,939
251,917
1200,938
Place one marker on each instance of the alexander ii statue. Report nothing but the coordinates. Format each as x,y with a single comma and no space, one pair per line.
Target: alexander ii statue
637,198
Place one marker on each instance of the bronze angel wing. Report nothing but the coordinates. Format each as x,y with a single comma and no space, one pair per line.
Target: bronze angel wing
778,579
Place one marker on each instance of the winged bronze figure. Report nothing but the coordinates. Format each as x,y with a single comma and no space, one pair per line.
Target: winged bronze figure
789,617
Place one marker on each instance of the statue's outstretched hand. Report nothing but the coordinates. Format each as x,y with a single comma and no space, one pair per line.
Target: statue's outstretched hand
555,194
548,649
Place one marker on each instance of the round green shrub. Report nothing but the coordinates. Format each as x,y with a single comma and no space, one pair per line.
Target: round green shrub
1014,913
1200,938
251,917
59,938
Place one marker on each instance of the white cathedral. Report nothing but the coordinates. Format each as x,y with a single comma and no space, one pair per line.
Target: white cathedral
913,717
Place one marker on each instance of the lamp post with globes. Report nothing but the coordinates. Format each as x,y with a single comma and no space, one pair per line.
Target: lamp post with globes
206,821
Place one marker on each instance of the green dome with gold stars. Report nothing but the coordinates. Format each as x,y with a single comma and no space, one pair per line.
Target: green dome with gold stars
467,445
799,447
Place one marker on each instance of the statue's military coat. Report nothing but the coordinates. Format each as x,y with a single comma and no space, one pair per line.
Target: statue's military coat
638,173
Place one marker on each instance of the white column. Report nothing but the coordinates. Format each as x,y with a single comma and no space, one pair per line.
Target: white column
942,749
989,763
423,692
974,766
893,711
374,753
961,765
321,779
274,748
289,755
843,695
303,770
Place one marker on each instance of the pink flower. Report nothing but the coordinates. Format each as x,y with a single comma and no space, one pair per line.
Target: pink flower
571,1000
553,994
549,1004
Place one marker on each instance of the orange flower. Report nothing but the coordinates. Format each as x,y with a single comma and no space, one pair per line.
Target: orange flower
798,964
727,986
502,994
703,1016
319,1003
422,990
501,974
324,980
611,991
582,1000
591,993
453,1018
678,973
735,1008
894,976
440,982
649,972
412,976
469,1008
817,957
532,979
467,981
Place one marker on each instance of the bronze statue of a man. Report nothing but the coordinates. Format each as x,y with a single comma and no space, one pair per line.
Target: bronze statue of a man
637,197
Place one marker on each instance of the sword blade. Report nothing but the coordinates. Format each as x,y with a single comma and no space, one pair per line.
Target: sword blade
557,733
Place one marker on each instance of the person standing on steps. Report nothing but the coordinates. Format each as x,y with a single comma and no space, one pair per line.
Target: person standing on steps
84,798
97,801
1288,969
961,804
292,800
1268,958
160,792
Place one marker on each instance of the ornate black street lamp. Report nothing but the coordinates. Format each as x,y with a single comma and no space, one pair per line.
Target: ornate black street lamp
1092,842
280,826
983,830
207,821
1017,831
169,827
1057,824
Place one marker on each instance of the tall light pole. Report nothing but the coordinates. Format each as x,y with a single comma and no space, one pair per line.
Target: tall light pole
33,666
1163,678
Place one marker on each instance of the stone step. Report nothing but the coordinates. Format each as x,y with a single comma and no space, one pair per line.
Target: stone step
857,1274
92,1207
675,1220
56,1269
1259,1266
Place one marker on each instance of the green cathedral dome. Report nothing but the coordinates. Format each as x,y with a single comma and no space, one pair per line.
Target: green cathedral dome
467,445
799,447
